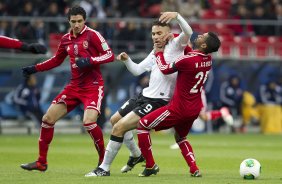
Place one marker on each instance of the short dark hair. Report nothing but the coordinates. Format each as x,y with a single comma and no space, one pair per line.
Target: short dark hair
213,43
76,10
158,23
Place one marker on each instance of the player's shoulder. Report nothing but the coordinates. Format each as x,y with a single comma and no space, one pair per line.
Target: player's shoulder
95,33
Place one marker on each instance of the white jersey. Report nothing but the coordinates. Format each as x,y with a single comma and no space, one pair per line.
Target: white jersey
162,86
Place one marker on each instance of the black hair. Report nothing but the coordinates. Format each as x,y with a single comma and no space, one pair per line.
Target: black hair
213,43
158,23
76,10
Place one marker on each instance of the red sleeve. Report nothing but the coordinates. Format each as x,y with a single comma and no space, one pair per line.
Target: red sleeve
6,42
55,61
163,66
106,53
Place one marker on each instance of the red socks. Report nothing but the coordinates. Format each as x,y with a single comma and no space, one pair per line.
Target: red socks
187,153
45,138
144,142
213,115
96,134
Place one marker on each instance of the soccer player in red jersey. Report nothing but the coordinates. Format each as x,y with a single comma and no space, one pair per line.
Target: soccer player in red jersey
10,43
87,49
185,105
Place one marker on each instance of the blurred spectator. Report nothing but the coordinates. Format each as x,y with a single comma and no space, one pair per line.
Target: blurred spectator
170,5
231,94
5,29
249,111
53,11
129,8
150,8
240,28
278,17
189,8
136,87
38,28
26,97
93,8
127,37
270,107
260,14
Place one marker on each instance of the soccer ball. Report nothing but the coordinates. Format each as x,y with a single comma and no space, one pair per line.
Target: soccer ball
250,169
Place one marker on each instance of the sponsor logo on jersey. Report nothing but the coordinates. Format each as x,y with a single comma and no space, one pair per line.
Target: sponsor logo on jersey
105,46
85,44
93,103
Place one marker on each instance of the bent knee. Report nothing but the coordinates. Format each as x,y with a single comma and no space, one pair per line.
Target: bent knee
115,118
48,119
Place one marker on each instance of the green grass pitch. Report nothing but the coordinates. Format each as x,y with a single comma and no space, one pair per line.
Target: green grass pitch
72,156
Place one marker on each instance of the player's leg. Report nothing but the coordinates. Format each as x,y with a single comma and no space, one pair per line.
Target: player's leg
128,122
90,124
181,131
54,112
145,106
158,120
128,139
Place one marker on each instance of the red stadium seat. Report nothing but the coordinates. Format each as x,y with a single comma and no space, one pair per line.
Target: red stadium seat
226,48
244,46
276,44
261,46
208,14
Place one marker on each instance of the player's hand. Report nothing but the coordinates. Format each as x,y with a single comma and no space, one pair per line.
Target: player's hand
168,37
166,17
158,49
35,48
122,57
83,62
27,71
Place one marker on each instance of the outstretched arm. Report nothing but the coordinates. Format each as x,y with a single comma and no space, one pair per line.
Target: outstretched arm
10,43
187,31
134,68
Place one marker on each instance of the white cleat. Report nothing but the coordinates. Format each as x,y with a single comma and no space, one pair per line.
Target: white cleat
174,146
126,168
98,172
226,116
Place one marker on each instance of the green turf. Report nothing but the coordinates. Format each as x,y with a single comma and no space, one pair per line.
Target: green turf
72,156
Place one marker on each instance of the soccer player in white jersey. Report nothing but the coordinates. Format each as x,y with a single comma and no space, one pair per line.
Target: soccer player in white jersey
156,95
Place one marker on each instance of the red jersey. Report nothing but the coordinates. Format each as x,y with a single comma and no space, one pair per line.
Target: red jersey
193,70
10,43
88,44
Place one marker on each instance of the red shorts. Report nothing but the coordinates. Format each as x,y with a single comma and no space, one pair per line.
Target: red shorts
72,97
163,118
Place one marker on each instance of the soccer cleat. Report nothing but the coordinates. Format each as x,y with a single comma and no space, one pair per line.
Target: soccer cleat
149,171
196,174
98,172
34,166
132,161
226,116
174,146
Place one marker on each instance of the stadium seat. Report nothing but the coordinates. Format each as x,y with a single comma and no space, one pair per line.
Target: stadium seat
244,47
226,48
261,46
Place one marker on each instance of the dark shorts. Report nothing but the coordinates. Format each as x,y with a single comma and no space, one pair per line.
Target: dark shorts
141,105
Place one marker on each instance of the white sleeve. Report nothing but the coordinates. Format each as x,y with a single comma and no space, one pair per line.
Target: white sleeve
143,66
186,33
